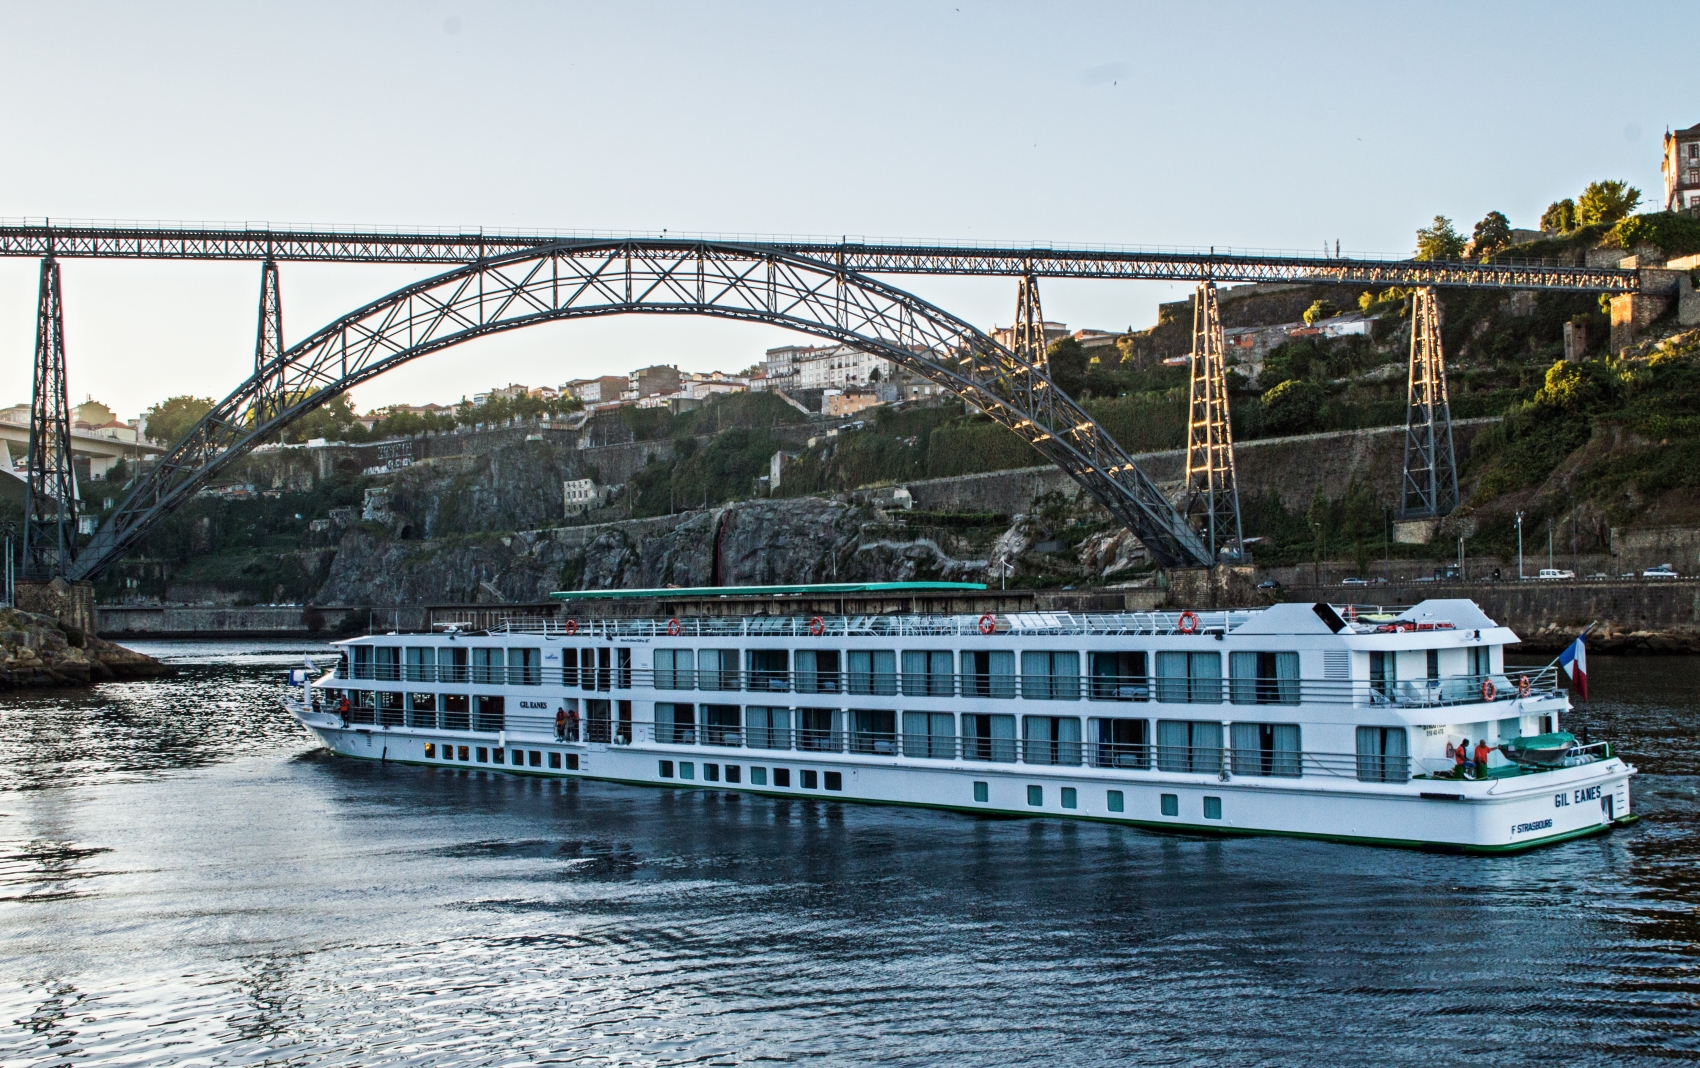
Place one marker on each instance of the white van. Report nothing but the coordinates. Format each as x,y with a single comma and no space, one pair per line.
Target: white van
1555,573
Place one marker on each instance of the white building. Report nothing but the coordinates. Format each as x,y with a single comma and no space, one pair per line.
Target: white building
780,366
839,366
578,494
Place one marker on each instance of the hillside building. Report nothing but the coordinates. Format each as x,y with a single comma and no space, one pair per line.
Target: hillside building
596,390
1681,167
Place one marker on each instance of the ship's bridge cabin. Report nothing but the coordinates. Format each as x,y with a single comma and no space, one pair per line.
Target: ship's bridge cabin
1352,692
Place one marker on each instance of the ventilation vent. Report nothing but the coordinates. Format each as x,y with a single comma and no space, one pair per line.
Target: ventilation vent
1337,665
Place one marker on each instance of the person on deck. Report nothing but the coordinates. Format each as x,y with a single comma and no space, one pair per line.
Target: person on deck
1482,752
342,710
561,724
1463,768
572,725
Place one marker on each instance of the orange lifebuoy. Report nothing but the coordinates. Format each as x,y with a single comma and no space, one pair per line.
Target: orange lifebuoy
673,627
1523,686
572,627
1489,690
1188,623
1351,614
817,626
988,623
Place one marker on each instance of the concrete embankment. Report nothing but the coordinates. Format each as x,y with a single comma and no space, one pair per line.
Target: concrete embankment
219,621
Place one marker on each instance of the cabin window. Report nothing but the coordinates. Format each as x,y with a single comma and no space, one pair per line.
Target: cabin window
1119,677
1263,678
569,667
489,714
463,755
1169,804
451,664
782,777
675,669
421,710
1189,678
721,726
430,750
624,658
733,773
599,677
362,661
717,669
386,663
518,757
623,729
1035,795
1434,664
769,670
758,776
596,721
537,758
421,664
1481,662
675,723
1050,676
817,671
982,792
390,708
768,728
711,772
990,673
1266,749
1383,755
931,735
555,761
1193,746
1070,797
666,769
572,761
483,755
834,780
525,667
1383,674
873,731
456,712
810,779
928,673
687,769
489,666
1213,808
1123,743
1050,739
988,737
873,671
1114,801
817,730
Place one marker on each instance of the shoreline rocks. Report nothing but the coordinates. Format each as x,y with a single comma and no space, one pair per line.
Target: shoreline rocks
38,651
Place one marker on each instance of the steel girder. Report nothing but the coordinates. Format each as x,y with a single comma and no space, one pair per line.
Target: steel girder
227,242
581,279
1430,486
1212,495
50,499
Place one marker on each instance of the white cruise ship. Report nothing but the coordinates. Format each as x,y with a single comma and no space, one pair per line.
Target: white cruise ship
1315,720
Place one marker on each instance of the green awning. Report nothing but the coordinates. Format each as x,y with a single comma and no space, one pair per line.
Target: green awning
823,589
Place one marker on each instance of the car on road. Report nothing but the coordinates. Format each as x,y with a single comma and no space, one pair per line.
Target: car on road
1555,573
1598,576
1268,584
1662,571
1353,582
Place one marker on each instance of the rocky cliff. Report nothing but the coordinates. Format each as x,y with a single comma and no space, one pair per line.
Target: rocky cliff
37,650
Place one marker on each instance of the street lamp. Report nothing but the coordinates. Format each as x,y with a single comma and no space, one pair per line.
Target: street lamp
1519,544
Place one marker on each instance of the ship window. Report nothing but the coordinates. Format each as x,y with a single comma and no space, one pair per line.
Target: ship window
717,669
1189,678
928,673
873,731
1481,663
1035,795
463,755
555,761
816,730
569,667
1122,743
421,664
451,664
834,780
982,792
572,762
456,712
1433,663
675,724
623,730
873,671
675,669
817,671
1050,740
624,656
687,769
421,710
430,750
1189,746
929,734
758,776
988,736
811,781
537,758
1170,804
1263,678
386,663
525,667
1383,755
596,728
1113,801
720,725
990,673
711,772
1266,749
782,777
1213,808
362,661
1070,799
497,756
666,767
1383,675
768,670
733,773
768,728
483,755
1119,677
519,758
489,666
489,715
1050,676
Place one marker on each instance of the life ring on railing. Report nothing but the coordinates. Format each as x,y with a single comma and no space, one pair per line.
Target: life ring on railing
1351,614
572,627
1188,623
988,623
817,626
1489,690
673,627
1523,686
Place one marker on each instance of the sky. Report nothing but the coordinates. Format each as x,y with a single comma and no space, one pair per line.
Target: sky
1273,126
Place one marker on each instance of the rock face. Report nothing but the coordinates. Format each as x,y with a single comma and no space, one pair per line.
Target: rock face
36,650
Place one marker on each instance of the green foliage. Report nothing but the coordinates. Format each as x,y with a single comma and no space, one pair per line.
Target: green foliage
1560,217
171,420
1292,407
1673,233
1068,366
1321,309
334,421
1392,299
1536,436
1606,202
1492,233
1439,241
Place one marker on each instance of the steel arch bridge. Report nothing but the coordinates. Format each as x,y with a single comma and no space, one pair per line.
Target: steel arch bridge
579,279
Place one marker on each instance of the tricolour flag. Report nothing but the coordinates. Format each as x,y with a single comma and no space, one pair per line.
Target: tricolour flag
1574,661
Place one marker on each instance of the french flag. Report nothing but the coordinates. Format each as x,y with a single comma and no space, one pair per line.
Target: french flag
1574,661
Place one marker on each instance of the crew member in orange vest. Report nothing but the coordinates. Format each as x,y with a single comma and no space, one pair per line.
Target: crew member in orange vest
1462,760
1482,752
560,724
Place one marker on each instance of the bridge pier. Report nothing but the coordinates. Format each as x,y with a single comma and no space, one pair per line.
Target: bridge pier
268,343
1212,496
51,497
1430,486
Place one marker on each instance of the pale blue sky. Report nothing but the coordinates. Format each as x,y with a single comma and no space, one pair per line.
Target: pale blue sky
1274,126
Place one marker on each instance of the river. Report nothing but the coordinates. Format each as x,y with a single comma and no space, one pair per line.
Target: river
189,879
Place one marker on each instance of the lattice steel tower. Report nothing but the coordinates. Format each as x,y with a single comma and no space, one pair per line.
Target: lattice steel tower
1212,497
268,345
1430,488
50,510
1028,334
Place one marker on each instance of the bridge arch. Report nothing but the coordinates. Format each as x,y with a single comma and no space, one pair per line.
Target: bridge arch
578,279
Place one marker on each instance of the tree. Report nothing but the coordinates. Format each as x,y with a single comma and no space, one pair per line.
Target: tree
1068,366
1606,202
170,420
1491,234
1292,407
1560,217
1321,309
1439,241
